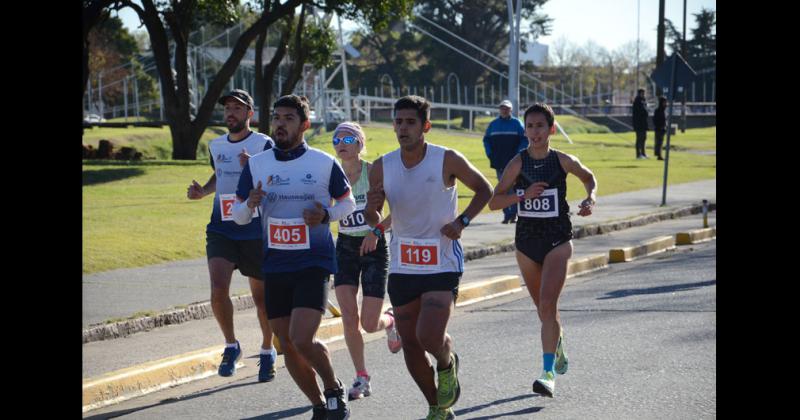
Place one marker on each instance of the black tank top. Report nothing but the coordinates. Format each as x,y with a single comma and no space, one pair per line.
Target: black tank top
548,215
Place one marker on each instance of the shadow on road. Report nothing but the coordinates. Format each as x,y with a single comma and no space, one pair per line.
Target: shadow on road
660,289
120,413
281,414
528,410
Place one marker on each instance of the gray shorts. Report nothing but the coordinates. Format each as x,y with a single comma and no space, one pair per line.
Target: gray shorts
245,254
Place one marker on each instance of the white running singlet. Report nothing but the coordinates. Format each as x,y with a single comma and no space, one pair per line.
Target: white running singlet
421,205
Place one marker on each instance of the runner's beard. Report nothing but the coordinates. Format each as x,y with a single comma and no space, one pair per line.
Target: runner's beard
237,128
288,143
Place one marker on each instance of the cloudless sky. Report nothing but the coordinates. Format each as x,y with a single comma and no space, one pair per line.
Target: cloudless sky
609,23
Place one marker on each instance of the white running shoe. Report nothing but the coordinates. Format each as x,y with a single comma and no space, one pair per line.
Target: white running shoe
360,388
546,384
392,336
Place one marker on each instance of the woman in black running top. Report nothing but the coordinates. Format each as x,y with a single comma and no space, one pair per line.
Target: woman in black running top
544,232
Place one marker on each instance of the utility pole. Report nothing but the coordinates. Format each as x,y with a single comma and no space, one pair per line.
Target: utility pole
514,16
660,40
685,57
638,7
344,71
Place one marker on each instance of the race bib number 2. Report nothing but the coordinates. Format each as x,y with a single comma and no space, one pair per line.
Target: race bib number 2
545,205
226,202
288,234
419,254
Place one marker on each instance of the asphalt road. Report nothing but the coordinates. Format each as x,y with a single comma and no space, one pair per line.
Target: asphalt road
641,337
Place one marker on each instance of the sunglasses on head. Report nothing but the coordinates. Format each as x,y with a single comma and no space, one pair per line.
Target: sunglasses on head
346,140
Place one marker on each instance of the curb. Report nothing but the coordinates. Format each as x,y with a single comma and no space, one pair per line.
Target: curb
475,292
696,236
201,310
587,265
145,378
653,246
197,310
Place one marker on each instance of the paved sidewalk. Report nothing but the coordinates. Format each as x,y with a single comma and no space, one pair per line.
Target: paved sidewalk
121,293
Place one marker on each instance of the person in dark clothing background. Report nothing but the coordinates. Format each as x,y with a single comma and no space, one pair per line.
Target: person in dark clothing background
660,125
640,115
504,138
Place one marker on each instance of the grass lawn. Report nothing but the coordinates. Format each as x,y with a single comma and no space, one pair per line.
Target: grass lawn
154,143
138,214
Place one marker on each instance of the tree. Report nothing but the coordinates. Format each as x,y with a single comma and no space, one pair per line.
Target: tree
175,19
171,21
113,53
94,11
703,45
314,42
393,53
266,74
484,24
701,48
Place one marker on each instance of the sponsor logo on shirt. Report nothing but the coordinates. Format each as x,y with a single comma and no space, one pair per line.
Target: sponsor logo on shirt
271,197
308,180
221,158
277,180
295,197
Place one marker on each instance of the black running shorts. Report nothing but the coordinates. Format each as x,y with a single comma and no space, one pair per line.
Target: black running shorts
405,288
306,288
537,249
370,268
245,254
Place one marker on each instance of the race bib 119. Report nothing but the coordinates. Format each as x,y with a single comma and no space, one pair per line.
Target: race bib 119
419,254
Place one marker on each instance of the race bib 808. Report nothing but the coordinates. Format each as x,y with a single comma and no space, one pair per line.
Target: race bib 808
545,205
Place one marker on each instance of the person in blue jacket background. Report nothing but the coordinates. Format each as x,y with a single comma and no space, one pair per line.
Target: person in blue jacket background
504,138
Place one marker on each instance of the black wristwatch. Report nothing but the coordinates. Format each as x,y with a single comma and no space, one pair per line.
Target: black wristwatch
463,219
327,217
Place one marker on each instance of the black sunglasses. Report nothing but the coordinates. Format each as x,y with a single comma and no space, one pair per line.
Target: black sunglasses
346,140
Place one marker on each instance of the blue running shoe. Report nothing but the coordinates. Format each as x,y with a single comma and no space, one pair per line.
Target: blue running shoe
266,369
230,356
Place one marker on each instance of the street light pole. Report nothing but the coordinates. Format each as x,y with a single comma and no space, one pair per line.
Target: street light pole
683,48
514,16
344,71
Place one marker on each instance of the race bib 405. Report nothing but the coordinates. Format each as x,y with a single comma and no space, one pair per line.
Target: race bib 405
288,234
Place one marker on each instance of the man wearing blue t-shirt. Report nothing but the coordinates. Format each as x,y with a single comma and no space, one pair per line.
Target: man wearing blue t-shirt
298,190
504,138
228,245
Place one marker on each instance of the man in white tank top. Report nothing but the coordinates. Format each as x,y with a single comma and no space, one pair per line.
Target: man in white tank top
419,182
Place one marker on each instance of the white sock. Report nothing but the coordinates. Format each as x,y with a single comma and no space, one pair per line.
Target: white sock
231,345
271,351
